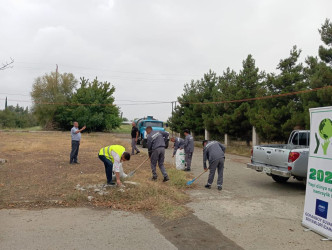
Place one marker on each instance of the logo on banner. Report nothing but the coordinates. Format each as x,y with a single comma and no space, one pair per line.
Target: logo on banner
321,208
325,132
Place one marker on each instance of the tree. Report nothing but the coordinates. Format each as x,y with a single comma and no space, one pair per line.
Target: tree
235,120
7,65
50,91
17,117
92,105
325,53
190,115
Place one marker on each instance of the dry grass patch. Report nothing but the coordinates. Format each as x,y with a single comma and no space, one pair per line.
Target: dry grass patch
38,174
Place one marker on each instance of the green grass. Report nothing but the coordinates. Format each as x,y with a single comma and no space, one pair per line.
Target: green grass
36,128
123,129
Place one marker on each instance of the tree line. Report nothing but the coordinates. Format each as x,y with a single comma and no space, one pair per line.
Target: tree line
273,118
16,117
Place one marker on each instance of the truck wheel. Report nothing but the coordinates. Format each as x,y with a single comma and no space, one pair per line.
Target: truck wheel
144,143
279,179
166,144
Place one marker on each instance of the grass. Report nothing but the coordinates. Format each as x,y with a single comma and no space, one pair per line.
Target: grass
38,174
36,128
123,129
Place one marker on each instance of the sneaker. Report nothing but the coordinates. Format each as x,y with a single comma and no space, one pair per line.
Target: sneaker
76,162
111,183
154,178
207,186
165,179
219,188
138,152
187,169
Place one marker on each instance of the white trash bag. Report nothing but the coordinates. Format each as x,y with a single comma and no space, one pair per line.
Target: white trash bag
180,159
122,174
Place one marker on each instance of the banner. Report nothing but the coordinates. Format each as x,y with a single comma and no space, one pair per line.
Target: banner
317,214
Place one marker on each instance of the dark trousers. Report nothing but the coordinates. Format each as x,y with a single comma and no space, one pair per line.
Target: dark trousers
75,146
219,166
108,167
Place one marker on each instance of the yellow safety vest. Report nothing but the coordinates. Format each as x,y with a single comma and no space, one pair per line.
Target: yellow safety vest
106,151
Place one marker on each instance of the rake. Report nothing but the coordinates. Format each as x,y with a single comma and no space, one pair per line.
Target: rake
133,172
192,181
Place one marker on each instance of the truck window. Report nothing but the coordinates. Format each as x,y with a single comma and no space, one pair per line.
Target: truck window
153,124
303,139
295,139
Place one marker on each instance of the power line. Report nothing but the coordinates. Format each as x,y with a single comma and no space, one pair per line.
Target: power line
167,102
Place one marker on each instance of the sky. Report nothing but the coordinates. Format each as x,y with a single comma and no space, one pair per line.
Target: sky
148,49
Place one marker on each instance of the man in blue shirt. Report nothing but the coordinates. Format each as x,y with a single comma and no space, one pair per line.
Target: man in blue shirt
75,142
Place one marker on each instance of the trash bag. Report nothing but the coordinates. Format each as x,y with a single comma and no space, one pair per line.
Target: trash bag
179,159
122,174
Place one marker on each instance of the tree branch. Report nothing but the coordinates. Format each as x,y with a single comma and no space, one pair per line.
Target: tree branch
7,65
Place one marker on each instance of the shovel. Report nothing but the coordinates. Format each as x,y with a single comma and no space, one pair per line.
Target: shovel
192,181
133,172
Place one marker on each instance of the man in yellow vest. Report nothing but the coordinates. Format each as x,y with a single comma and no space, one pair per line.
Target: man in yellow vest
113,156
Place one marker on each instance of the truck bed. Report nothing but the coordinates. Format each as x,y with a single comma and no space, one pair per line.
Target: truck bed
273,154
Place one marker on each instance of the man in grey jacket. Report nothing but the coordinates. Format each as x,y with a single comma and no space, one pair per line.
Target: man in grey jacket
214,152
178,144
188,149
75,142
156,149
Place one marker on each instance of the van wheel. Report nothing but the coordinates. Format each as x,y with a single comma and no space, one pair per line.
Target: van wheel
279,179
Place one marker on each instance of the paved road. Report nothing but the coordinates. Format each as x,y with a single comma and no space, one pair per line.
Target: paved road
78,228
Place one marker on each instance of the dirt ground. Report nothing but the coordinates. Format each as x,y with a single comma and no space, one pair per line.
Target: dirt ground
38,175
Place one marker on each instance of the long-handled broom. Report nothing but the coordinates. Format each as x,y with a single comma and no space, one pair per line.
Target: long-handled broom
192,181
133,172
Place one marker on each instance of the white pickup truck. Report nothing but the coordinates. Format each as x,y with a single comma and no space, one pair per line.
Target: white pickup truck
281,161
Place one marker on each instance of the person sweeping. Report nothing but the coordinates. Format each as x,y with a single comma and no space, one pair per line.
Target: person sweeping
156,149
112,156
214,152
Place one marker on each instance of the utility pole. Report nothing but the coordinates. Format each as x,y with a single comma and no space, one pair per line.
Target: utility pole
6,104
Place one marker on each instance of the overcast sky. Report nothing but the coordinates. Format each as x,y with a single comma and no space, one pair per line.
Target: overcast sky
148,49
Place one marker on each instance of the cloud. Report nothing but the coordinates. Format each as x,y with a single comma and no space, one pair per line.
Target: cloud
150,48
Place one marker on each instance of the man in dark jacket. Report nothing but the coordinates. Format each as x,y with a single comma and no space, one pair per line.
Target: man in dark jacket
134,136
214,152
156,149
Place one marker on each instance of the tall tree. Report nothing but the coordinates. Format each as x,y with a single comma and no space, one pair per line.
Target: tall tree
275,118
50,91
235,120
92,105
325,53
